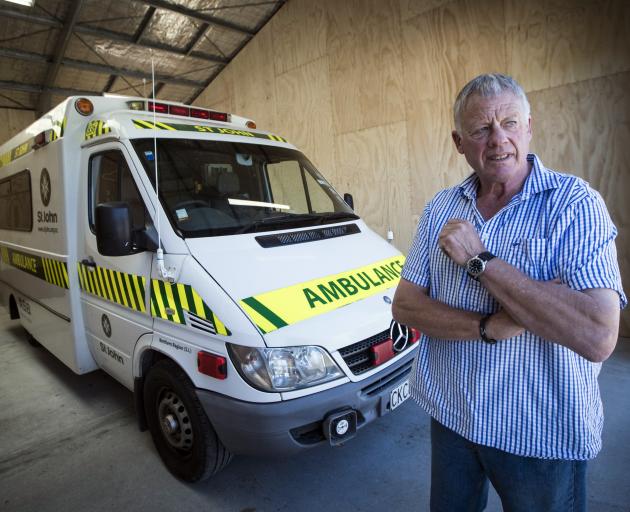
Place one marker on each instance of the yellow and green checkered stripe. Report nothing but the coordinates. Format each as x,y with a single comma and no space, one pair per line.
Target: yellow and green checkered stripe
124,289
56,272
96,128
149,125
278,308
52,271
169,301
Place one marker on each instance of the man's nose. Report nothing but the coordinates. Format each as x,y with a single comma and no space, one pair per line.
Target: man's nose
497,135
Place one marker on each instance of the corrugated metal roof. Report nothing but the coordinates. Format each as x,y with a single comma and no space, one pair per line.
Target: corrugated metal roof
57,47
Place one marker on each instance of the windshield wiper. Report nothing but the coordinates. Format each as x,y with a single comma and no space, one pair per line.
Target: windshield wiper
288,218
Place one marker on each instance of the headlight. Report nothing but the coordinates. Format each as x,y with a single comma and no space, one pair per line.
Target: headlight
284,369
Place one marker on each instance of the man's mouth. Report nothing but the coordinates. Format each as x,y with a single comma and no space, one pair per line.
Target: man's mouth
499,158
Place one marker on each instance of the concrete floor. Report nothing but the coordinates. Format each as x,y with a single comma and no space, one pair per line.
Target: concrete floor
70,443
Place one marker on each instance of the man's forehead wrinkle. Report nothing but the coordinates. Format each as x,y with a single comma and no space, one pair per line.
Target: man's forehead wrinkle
475,112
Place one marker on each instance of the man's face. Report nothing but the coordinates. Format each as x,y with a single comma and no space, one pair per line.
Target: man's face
494,138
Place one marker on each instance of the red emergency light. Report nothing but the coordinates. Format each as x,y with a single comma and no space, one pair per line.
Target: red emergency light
159,108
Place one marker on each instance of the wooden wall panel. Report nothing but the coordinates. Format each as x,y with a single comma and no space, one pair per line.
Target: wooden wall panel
221,95
412,8
556,42
599,154
446,47
13,121
375,170
442,50
365,64
253,81
299,34
305,112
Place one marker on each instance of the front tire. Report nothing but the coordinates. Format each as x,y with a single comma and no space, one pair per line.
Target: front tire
181,431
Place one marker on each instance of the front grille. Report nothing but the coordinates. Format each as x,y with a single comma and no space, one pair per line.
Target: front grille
358,356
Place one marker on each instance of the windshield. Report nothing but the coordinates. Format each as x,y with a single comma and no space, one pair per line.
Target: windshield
211,188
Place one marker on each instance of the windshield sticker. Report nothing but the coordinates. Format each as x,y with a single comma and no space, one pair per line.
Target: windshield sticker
181,214
279,308
147,125
149,156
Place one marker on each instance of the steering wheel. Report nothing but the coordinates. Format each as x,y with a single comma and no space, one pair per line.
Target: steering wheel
191,204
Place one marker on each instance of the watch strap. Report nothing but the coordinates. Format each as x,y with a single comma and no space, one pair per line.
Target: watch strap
486,256
482,330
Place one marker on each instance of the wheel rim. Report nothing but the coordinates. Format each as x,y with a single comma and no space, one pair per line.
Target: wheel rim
175,421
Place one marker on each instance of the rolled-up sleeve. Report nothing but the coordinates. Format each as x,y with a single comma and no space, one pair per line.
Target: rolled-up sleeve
586,251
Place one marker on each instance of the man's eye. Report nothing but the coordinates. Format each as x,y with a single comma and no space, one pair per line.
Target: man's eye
479,132
511,124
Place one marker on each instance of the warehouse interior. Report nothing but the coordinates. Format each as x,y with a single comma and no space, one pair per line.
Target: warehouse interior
365,89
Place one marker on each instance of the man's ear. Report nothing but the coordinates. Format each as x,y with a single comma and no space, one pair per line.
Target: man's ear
458,141
529,127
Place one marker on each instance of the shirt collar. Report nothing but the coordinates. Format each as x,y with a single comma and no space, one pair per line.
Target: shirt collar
539,179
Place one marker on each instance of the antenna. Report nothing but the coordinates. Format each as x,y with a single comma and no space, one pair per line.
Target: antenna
159,255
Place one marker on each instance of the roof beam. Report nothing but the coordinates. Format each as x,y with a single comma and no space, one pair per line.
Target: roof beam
206,18
38,89
44,102
98,68
136,39
110,35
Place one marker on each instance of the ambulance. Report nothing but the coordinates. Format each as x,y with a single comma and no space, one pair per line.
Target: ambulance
209,268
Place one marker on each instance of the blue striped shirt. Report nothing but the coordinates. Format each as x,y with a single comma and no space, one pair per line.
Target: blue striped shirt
525,395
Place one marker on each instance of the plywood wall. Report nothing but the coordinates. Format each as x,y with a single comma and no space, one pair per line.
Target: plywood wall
365,89
13,121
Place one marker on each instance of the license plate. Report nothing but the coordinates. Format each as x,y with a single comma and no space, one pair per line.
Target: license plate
399,394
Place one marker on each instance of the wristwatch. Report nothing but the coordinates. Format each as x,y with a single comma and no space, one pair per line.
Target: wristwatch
477,264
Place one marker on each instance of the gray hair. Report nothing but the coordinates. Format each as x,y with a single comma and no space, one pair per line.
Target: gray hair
488,86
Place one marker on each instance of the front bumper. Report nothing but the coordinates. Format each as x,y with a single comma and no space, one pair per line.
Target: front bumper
282,428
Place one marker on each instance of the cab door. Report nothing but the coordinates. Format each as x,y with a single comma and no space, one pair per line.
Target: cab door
114,289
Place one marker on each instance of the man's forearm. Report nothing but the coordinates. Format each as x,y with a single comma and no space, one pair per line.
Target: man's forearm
553,311
438,320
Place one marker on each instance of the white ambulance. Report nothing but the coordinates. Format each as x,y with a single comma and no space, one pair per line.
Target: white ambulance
208,267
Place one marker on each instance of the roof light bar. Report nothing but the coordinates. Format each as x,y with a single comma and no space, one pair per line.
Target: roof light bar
183,111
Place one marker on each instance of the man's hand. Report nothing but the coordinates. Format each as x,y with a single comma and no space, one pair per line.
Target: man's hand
501,326
460,241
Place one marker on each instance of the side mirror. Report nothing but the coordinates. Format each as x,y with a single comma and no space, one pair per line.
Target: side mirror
114,233
113,229
348,199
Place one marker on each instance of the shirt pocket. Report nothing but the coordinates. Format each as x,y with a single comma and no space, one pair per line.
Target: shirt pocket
529,255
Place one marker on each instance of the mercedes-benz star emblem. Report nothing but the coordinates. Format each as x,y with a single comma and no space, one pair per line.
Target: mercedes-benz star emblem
107,327
399,335
44,187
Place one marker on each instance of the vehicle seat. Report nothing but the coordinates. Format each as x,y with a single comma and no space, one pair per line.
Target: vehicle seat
227,186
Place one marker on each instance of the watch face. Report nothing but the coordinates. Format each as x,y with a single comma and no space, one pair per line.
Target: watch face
475,266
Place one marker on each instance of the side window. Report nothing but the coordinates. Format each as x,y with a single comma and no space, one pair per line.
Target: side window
320,202
16,206
287,187
110,180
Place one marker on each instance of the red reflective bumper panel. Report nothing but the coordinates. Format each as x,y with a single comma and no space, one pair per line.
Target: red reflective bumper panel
212,365
382,352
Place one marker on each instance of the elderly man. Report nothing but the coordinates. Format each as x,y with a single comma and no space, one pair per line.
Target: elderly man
513,280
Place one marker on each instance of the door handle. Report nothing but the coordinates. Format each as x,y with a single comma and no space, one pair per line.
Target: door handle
88,262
